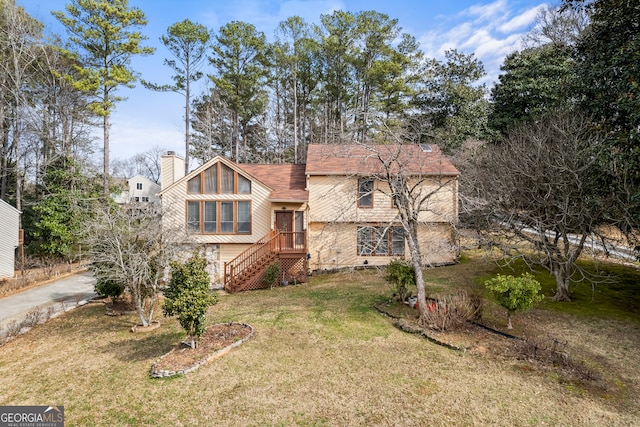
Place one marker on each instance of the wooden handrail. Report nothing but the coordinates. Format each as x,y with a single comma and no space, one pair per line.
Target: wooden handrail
274,242
249,256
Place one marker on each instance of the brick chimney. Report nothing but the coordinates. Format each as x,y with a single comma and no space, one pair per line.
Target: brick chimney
171,169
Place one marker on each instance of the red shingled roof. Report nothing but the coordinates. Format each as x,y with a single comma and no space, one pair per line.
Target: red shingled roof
288,182
350,159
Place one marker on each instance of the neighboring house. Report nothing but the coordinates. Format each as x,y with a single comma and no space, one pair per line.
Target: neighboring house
139,189
9,238
330,213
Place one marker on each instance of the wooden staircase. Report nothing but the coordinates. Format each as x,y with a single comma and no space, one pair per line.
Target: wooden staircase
247,270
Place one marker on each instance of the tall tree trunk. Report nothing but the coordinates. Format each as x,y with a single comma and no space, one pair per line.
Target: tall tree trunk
560,273
105,135
295,119
187,124
416,262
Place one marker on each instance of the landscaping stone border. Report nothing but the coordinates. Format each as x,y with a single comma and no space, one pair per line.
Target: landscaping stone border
403,325
160,373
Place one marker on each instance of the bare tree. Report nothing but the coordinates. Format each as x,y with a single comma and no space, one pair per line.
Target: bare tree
557,25
541,186
212,126
129,246
146,164
405,193
421,189
19,34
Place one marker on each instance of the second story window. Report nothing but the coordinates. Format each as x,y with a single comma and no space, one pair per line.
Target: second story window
365,192
139,186
219,179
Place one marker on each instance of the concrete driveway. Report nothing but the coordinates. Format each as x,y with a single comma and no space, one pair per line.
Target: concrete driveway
62,294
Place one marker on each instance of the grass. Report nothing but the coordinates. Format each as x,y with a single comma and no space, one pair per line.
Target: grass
321,356
605,289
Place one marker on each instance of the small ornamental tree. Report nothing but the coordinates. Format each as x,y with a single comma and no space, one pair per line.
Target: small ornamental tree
515,293
188,297
400,274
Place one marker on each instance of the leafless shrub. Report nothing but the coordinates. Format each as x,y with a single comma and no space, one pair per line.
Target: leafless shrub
451,311
13,328
34,317
550,351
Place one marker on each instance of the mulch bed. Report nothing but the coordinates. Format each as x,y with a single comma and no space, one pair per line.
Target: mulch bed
216,341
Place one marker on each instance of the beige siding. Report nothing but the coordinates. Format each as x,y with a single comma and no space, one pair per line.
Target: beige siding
333,246
334,199
174,213
438,244
9,230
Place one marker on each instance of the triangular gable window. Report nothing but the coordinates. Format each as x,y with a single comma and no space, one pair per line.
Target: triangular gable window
219,179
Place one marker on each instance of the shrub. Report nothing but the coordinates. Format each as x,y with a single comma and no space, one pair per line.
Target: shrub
272,273
515,293
400,274
109,288
188,296
451,311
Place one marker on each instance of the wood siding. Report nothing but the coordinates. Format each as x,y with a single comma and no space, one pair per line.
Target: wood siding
334,218
334,246
334,199
9,235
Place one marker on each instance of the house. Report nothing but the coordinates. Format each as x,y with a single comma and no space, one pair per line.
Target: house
139,189
242,217
333,212
353,217
9,238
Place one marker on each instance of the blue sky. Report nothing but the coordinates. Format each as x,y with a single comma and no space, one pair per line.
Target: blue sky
490,29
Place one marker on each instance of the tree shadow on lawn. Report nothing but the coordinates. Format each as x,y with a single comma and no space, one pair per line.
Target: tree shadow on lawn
137,347
113,335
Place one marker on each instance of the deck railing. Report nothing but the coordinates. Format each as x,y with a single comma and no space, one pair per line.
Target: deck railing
273,243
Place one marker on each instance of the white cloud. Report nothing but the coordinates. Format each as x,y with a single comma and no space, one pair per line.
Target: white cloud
522,21
490,32
491,11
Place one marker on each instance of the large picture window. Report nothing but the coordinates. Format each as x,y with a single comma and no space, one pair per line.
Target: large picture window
380,241
244,217
227,179
365,192
219,217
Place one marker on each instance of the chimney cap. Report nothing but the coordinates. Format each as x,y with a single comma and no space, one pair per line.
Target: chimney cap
171,153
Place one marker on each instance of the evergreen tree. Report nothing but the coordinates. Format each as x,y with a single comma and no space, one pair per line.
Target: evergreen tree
104,39
188,43
188,296
240,74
